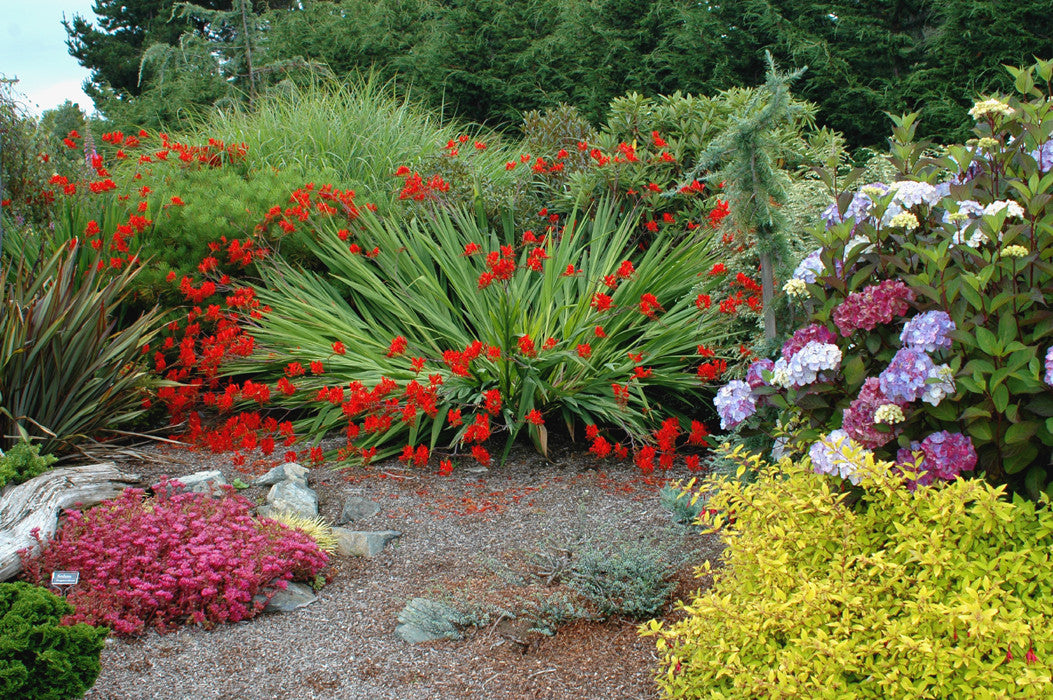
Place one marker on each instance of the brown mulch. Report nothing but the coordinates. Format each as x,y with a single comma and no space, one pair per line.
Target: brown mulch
468,540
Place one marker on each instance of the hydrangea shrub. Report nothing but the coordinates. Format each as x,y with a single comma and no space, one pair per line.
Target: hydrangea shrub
173,558
943,592
936,290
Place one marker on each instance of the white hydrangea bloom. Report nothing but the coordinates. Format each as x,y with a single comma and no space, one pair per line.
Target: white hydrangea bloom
1012,208
939,385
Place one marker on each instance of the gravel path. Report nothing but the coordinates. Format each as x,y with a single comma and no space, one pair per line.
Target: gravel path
467,540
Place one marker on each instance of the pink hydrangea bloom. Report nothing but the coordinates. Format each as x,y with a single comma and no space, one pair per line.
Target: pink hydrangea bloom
876,305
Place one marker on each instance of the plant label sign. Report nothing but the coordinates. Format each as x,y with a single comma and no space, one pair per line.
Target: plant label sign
65,578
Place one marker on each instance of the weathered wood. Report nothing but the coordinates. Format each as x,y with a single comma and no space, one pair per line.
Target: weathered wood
38,503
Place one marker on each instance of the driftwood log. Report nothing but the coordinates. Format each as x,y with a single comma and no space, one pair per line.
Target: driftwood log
38,503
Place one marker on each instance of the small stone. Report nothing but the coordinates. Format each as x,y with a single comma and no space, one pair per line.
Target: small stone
350,543
358,508
425,620
293,497
290,471
198,482
295,596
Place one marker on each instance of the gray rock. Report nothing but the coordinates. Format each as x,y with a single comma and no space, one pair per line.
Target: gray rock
425,620
290,471
350,543
358,508
198,482
295,596
293,497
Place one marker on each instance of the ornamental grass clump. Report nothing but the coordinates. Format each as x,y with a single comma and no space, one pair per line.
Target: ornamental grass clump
445,331
870,592
173,558
935,289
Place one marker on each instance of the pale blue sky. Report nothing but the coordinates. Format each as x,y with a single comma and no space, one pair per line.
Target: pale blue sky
33,49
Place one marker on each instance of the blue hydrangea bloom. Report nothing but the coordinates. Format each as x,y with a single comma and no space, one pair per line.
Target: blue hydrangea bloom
928,331
909,193
904,380
734,403
1049,366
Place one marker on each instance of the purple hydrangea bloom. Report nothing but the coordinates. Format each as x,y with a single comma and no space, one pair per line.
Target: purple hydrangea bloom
833,455
928,331
905,377
910,193
755,374
734,403
858,419
803,336
1049,366
810,267
876,304
944,455
858,210
939,385
808,362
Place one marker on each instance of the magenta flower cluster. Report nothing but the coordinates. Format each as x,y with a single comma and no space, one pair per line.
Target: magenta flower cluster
858,419
173,558
944,455
1049,366
875,305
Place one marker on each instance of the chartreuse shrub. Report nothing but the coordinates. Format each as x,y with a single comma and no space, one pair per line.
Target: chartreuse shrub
927,307
173,558
41,658
877,591
447,330
22,462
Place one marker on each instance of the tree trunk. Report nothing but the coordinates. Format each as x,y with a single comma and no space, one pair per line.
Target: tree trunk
38,503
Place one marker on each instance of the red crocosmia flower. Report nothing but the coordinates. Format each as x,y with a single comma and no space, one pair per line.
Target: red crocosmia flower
718,269
526,346
659,142
480,146
534,417
286,387
591,431
453,416
584,350
339,348
668,218
570,272
493,353
407,454
471,249
599,332
510,165
649,305
397,347
402,171
549,344
445,467
317,456
636,357
177,202
698,434
708,371
645,459
600,447
703,301
652,226
719,212
170,277
703,351
493,401
641,372
626,269
317,367
417,363
481,455
621,451
601,302
692,463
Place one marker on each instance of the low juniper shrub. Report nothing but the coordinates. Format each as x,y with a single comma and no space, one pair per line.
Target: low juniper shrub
173,558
